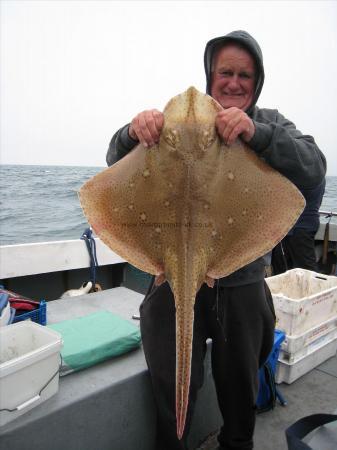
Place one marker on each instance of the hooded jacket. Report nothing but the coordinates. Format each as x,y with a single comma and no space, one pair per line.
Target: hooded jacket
276,140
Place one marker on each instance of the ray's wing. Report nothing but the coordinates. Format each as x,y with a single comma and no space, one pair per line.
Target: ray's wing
133,207
242,209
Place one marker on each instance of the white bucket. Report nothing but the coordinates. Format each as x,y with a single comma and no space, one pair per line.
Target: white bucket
29,367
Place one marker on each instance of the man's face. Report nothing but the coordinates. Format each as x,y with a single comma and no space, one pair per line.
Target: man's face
233,77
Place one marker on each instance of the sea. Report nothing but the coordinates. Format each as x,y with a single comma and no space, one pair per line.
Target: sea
40,203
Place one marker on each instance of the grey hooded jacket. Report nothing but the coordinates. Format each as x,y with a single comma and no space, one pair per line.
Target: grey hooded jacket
276,140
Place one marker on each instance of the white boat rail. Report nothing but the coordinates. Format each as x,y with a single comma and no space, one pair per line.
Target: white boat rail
42,257
328,213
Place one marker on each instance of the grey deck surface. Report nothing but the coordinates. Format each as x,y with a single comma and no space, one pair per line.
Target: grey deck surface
315,392
121,301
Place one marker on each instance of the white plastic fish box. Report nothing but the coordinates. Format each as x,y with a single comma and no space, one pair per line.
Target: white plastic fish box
296,343
288,373
316,344
29,367
303,299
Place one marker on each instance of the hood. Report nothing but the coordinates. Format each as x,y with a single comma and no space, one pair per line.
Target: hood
249,43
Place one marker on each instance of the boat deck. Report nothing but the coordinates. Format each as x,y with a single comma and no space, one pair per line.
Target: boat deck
315,392
110,406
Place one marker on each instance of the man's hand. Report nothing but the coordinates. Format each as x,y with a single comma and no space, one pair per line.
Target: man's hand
232,123
146,127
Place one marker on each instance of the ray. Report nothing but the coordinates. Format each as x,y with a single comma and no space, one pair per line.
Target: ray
190,207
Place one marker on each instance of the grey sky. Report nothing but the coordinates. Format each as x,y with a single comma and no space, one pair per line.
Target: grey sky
72,72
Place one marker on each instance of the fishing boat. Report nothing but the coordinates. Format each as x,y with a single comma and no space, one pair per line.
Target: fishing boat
110,405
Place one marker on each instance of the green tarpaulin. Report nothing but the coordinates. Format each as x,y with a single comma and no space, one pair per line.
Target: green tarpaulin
94,338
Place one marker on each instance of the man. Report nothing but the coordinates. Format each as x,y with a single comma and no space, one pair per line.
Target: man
297,249
238,312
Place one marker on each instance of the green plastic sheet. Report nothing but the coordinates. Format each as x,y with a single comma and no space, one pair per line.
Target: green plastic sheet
94,338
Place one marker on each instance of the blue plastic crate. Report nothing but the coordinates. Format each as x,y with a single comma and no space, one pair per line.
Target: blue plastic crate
38,315
263,397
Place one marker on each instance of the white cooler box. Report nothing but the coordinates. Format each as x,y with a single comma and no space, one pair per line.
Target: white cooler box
303,299
29,367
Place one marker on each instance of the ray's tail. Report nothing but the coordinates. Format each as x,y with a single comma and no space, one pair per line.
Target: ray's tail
185,275
184,339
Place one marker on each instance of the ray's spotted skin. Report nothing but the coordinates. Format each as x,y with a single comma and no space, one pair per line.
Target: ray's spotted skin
190,209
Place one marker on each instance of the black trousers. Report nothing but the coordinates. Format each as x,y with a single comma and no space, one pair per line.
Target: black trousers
296,250
240,321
